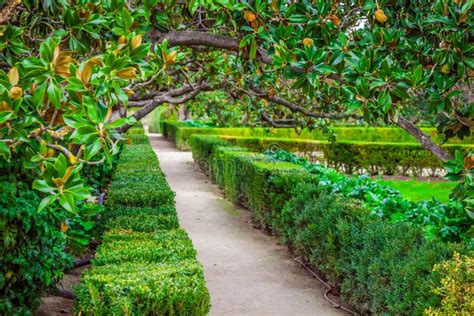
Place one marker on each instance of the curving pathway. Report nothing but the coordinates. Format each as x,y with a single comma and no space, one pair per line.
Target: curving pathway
246,271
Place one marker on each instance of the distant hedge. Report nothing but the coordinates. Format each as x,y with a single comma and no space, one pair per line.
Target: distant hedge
379,266
354,157
146,264
180,134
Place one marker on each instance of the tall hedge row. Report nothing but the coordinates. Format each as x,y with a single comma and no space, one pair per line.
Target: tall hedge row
146,264
379,266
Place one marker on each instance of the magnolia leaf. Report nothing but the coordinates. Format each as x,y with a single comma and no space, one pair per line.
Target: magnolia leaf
13,76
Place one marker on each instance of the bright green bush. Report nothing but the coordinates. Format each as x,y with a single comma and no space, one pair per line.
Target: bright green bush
143,288
143,222
137,139
181,134
146,264
162,246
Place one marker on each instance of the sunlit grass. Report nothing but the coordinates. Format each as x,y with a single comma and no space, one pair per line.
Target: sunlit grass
417,190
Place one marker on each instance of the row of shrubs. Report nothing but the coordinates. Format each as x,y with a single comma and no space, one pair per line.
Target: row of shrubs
379,266
181,132
146,264
357,157
349,156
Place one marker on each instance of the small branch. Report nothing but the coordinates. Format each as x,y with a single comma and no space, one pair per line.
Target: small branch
8,9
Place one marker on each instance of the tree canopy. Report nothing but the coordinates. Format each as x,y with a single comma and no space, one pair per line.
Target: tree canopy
70,70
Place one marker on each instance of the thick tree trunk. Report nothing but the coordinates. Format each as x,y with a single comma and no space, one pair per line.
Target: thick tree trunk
424,139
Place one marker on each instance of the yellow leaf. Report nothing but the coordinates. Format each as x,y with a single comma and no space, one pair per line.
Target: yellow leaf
127,73
469,162
62,64
122,40
129,91
275,5
265,102
4,107
136,41
86,73
13,76
170,58
109,114
55,55
59,182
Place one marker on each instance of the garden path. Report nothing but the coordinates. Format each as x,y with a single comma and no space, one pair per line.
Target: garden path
246,271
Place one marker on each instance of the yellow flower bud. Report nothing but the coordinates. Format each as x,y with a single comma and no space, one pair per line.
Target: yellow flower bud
16,92
308,42
380,16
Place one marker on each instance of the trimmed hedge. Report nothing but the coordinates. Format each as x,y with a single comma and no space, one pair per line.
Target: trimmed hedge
351,157
181,134
146,264
379,266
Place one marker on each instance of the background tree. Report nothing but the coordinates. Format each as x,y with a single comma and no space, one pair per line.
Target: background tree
69,65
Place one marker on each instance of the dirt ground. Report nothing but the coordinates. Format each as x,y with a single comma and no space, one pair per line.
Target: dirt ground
247,272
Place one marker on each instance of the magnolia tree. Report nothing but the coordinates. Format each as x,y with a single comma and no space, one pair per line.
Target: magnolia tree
70,69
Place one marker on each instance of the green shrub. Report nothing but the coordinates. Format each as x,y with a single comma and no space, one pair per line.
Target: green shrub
143,223
138,139
142,288
165,245
348,156
32,252
379,266
146,265
181,134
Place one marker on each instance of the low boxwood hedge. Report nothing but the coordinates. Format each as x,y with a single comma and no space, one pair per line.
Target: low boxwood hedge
348,156
380,266
146,264
144,288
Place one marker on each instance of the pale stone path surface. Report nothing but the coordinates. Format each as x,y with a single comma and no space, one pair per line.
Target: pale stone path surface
246,271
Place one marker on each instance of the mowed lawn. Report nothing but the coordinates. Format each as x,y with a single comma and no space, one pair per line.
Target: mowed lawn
416,190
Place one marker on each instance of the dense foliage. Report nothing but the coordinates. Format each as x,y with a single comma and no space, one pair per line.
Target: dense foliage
379,265
67,66
448,221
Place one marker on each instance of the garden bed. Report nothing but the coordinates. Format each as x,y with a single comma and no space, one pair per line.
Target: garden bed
380,264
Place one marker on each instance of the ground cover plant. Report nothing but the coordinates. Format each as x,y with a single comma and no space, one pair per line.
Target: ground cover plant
146,264
331,220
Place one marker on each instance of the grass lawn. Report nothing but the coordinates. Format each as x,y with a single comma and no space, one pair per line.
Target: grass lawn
416,190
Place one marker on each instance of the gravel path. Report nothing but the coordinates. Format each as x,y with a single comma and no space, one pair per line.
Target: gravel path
246,271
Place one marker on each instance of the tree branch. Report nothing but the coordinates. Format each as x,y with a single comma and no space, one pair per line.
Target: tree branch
7,11
196,38
173,96
424,139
